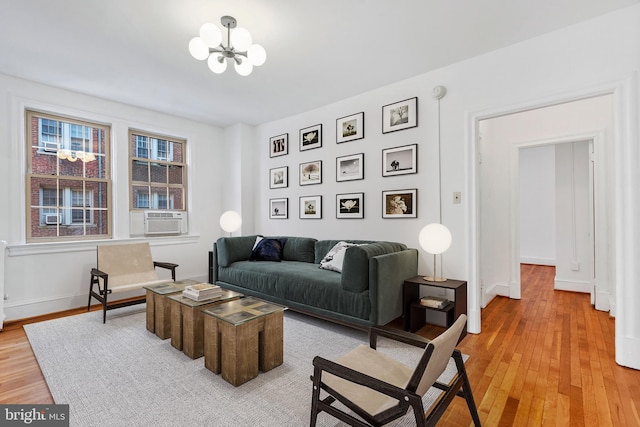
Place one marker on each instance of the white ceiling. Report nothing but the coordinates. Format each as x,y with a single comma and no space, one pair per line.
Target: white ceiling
318,51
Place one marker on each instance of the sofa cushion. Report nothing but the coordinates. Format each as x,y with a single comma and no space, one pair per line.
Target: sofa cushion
268,249
299,249
232,249
300,282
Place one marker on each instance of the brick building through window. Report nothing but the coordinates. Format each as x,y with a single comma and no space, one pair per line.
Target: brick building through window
67,177
158,171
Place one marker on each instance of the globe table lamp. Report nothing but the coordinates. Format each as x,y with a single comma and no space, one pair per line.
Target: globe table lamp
230,221
435,238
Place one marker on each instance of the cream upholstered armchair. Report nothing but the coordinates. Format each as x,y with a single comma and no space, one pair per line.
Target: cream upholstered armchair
378,389
124,268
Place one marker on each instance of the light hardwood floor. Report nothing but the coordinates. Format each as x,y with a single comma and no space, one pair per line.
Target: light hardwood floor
547,359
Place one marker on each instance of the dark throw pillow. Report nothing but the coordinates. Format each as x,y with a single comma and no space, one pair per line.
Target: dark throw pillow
268,250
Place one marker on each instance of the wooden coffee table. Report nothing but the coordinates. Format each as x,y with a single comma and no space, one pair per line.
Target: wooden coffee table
242,337
158,308
187,327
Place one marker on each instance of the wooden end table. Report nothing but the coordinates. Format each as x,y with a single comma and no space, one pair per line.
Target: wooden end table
187,323
414,313
242,337
158,308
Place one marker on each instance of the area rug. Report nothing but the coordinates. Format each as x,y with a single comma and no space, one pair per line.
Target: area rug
119,374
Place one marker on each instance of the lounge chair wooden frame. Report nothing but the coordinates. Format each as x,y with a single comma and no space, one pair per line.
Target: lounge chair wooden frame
124,268
408,397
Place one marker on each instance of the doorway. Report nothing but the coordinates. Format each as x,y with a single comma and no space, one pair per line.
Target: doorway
556,211
577,132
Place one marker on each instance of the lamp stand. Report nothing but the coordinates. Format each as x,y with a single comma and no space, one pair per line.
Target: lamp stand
434,278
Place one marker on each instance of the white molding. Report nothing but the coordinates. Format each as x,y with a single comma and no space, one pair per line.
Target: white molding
572,285
627,174
90,245
3,250
627,227
501,289
474,289
604,302
597,138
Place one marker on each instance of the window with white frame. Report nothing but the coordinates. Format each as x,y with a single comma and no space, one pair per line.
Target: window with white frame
158,171
68,181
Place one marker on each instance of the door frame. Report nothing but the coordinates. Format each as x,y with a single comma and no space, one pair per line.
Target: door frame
596,218
624,134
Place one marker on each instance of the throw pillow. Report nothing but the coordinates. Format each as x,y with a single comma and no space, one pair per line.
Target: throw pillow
258,238
334,259
268,250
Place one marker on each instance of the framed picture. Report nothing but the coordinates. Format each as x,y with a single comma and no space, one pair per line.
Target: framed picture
279,208
350,205
279,177
311,173
350,128
279,145
399,203
400,160
400,115
311,137
310,207
350,168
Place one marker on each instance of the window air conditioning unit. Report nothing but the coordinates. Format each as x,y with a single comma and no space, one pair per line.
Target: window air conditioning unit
164,223
50,146
51,219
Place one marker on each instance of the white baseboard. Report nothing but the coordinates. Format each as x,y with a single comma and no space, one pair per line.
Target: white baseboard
491,291
627,350
612,306
603,301
573,286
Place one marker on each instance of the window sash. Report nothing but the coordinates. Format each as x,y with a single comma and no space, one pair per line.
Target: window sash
62,181
57,135
157,172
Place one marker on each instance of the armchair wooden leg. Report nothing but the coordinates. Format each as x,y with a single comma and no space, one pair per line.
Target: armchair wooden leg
315,397
104,308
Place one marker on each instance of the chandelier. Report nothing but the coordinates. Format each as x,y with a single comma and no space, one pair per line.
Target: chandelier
239,49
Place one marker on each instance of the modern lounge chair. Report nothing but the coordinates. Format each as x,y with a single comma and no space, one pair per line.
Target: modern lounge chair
377,389
121,268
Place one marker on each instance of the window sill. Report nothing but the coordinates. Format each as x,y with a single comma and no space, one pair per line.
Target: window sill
90,245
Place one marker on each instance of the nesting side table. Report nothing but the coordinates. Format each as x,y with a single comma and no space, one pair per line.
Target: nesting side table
242,337
187,324
158,308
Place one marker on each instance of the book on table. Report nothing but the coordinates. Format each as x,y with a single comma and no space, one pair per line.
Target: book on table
201,291
434,302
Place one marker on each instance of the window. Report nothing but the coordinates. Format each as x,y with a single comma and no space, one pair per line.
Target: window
68,180
158,171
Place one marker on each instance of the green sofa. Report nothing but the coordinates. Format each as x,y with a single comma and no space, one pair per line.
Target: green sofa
367,292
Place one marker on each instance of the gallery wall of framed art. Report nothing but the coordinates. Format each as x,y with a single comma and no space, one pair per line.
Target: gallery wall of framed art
336,166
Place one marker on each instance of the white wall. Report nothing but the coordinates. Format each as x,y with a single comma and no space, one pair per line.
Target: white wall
48,277
538,205
574,247
595,57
